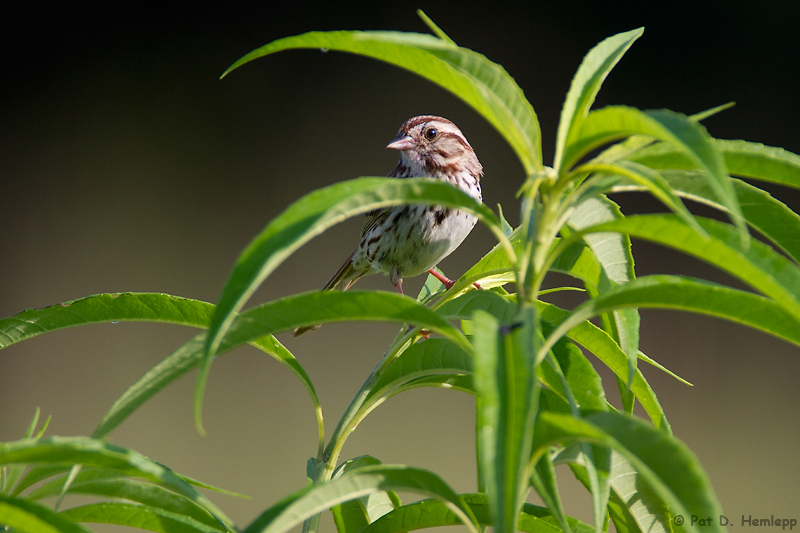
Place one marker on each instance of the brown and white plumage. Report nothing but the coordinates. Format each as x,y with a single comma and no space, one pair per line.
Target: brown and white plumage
407,240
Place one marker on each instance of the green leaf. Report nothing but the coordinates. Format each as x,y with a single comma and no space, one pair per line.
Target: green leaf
545,482
91,452
185,358
482,84
612,252
354,515
585,85
139,516
37,474
633,505
108,483
605,348
105,308
769,216
585,384
665,464
308,217
432,513
507,389
320,307
313,499
675,292
255,325
759,266
145,307
496,268
582,389
430,357
651,180
464,306
754,160
27,517
686,135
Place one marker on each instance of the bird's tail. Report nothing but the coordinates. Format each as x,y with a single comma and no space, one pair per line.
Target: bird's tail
343,280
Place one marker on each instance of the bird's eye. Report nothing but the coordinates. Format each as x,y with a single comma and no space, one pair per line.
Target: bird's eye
431,133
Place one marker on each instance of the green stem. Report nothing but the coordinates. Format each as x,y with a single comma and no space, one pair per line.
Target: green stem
349,419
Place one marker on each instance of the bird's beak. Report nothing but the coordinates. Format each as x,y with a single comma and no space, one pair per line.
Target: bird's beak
403,141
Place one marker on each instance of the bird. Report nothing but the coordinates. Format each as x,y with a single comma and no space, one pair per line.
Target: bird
406,240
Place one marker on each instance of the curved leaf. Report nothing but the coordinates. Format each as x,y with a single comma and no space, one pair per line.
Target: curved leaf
759,266
109,483
651,180
91,452
321,307
280,315
675,292
482,84
663,462
587,81
633,505
313,499
600,343
612,251
139,516
768,163
146,307
26,516
433,356
433,513
354,515
105,308
686,135
771,217
308,217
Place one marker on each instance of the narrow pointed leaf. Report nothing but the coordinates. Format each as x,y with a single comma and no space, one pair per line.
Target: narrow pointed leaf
354,515
633,505
280,315
482,84
26,516
675,292
90,452
137,491
585,85
307,218
103,309
754,160
433,356
771,217
311,500
665,464
616,122
605,348
545,482
139,516
759,266
508,398
182,360
433,513
613,254
651,180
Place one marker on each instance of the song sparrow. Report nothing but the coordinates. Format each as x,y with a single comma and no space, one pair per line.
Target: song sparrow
407,240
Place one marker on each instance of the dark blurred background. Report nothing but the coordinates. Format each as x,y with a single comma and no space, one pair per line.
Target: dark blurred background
127,165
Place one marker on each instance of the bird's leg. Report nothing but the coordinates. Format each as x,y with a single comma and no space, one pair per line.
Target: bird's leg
447,282
397,281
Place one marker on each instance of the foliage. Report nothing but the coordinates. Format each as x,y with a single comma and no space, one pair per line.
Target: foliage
540,401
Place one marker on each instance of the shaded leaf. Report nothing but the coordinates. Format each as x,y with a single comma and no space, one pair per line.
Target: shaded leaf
313,499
